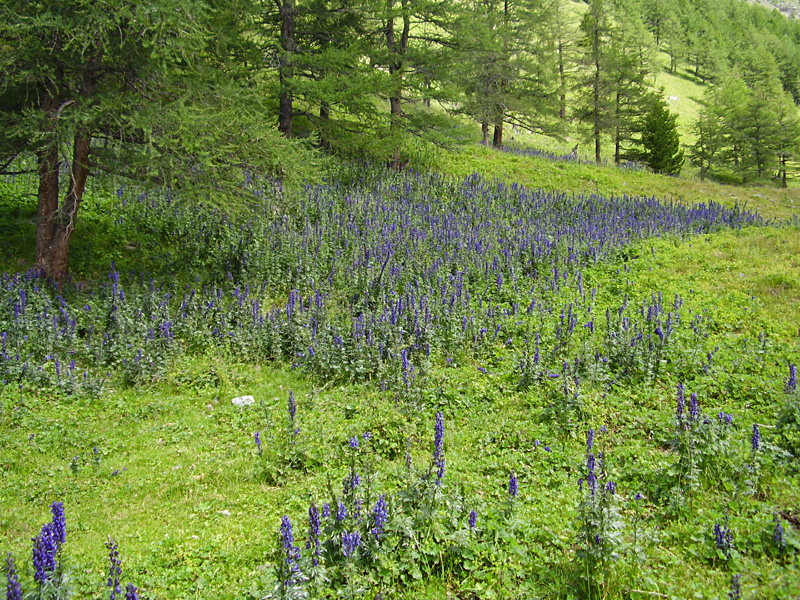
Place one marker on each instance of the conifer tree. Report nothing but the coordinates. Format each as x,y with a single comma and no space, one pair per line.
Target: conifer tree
77,72
661,148
506,63
596,89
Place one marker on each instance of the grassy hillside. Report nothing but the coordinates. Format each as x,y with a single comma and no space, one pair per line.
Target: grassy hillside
772,203
525,319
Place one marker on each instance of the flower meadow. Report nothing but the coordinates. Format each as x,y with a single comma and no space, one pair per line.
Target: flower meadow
480,391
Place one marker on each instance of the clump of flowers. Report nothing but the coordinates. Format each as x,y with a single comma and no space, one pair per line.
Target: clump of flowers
438,447
599,521
723,540
13,588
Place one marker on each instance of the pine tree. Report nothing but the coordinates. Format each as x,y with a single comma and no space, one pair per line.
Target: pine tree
661,148
706,152
506,64
596,90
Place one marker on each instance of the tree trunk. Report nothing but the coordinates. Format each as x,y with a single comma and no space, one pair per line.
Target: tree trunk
324,119
46,211
485,132
617,133
497,140
285,109
597,116
562,110
397,49
56,224
783,170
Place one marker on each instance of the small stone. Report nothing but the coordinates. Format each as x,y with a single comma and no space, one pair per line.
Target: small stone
243,401
225,513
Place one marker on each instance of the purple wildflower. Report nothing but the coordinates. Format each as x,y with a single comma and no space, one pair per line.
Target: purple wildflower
13,588
59,522
778,533
313,532
291,551
131,592
694,408
350,543
473,519
292,407
513,487
723,537
681,403
736,587
590,440
380,515
257,436
438,447
45,549
755,442
791,384
114,569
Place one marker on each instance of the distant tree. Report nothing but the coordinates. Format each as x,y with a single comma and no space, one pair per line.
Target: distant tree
630,59
506,64
748,130
706,152
596,95
787,138
660,142
615,60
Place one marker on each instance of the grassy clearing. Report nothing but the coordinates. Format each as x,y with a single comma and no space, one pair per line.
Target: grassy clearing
684,94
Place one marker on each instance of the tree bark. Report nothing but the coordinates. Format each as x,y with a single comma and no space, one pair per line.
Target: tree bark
497,139
397,49
485,132
324,119
56,224
286,101
562,110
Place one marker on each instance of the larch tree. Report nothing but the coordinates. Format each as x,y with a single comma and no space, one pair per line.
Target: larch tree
78,71
595,90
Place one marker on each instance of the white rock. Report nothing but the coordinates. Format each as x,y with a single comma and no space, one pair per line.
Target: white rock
673,98
243,401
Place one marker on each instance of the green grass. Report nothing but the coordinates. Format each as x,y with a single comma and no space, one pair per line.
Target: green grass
684,94
178,484
772,203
